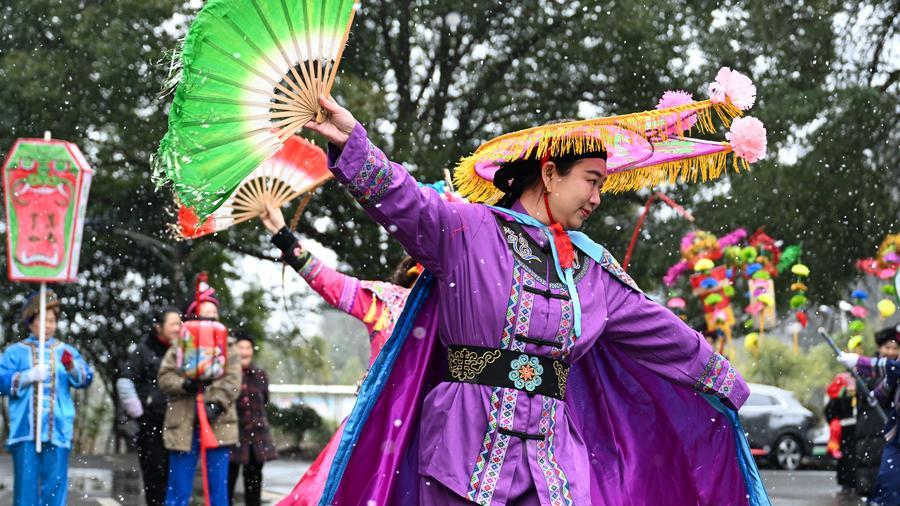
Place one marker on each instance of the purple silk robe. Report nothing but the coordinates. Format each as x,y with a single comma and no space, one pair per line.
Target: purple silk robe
634,428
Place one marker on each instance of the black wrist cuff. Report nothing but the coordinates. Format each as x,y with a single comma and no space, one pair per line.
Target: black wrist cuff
284,239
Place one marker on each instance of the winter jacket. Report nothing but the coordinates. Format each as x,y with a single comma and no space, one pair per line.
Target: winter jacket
181,415
142,368
58,411
253,424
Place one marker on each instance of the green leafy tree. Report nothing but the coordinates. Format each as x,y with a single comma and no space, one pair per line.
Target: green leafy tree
828,94
90,73
441,77
432,80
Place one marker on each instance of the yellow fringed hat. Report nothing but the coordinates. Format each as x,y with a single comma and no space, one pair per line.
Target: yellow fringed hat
643,149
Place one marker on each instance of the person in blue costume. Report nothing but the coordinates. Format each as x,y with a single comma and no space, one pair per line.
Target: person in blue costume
41,478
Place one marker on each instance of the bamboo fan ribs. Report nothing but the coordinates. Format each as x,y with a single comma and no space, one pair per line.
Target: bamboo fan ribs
249,76
299,168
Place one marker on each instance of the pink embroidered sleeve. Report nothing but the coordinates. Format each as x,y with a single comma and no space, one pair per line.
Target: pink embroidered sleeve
341,291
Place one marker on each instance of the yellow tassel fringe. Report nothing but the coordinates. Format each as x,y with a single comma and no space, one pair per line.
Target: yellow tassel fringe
598,133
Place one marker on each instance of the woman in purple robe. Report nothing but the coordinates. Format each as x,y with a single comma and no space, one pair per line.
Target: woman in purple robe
528,367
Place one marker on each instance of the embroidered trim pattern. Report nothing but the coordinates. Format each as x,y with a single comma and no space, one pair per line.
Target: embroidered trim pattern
310,269
348,294
486,445
717,371
498,452
566,332
490,461
562,376
557,484
465,364
373,179
519,244
511,304
535,261
526,304
608,262
493,449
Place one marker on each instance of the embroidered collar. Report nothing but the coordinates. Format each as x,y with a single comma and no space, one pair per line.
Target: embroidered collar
533,256
581,241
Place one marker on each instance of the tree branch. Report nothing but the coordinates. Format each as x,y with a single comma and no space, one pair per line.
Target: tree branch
891,79
236,248
888,27
490,78
432,64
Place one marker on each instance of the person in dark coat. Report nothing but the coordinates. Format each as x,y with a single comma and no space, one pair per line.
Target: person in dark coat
142,400
841,417
256,445
869,425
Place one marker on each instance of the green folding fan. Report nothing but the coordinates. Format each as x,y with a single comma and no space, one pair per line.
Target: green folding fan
248,76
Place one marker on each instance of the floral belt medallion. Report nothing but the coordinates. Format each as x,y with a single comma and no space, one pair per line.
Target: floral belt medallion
526,372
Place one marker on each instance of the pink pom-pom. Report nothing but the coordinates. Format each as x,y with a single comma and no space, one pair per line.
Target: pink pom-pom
735,86
673,98
676,303
859,312
675,272
687,240
733,237
748,138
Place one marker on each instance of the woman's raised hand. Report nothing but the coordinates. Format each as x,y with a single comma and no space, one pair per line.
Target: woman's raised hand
337,125
273,220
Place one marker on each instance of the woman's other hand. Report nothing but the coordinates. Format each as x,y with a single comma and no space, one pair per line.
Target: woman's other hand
273,220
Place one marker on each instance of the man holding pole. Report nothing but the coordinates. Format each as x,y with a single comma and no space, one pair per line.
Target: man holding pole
46,183
886,491
40,440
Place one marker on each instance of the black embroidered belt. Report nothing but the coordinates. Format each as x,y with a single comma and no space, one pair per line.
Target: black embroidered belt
531,374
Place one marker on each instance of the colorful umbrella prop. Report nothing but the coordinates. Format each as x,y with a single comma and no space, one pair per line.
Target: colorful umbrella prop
643,149
299,168
247,77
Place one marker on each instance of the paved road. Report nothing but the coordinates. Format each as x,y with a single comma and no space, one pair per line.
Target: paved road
112,481
806,488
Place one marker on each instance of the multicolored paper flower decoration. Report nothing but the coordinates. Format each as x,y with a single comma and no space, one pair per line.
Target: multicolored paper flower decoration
859,312
799,301
884,266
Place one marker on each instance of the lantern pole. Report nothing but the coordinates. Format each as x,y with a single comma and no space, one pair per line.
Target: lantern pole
42,338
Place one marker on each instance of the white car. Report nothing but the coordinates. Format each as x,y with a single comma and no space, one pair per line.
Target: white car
778,427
